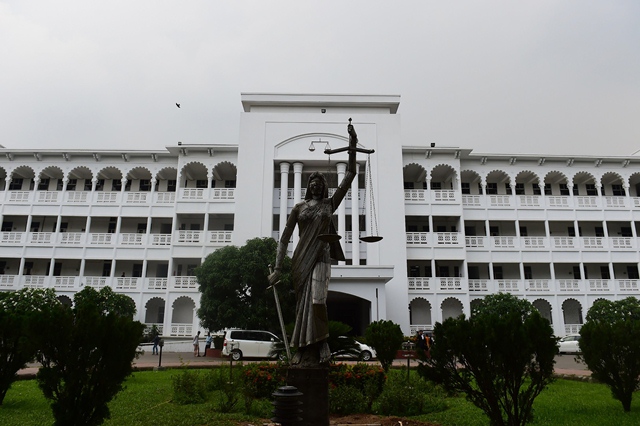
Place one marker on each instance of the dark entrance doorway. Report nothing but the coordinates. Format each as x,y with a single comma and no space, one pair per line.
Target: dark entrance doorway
349,309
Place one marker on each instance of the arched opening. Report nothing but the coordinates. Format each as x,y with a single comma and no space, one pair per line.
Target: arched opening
451,308
572,314
349,309
544,308
420,314
182,316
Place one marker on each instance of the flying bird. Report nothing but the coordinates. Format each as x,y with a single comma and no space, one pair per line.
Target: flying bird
178,105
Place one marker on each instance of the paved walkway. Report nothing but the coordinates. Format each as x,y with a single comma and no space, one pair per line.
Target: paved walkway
565,365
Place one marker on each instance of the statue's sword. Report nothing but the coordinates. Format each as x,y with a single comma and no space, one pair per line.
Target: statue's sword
284,332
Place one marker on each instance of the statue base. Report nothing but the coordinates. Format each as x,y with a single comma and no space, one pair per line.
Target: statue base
313,383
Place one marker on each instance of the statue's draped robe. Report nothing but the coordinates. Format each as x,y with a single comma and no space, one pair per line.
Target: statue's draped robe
311,271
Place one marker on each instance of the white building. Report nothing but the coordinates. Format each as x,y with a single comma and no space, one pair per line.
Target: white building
559,231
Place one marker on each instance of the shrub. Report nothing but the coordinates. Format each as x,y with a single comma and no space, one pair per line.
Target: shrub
260,380
400,398
189,387
86,353
610,345
18,340
346,400
386,338
502,357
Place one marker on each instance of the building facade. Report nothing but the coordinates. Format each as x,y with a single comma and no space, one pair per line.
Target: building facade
559,231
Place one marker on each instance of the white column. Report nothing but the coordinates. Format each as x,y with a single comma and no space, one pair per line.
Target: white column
297,193
355,221
342,217
284,189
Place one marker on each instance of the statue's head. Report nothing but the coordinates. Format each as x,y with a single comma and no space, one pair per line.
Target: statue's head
317,176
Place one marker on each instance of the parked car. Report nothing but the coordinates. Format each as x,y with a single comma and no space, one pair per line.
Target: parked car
570,344
240,344
352,349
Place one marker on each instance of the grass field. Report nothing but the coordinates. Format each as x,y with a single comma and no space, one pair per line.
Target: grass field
146,400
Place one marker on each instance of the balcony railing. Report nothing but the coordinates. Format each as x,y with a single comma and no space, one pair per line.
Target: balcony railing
437,238
181,330
526,286
434,196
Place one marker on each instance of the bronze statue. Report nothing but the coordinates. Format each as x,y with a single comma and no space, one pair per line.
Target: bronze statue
311,266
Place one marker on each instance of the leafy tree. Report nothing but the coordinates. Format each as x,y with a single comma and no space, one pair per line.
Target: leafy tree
234,286
610,345
86,353
18,310
386,338
501,358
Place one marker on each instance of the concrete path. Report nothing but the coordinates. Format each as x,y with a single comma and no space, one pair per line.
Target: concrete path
565,364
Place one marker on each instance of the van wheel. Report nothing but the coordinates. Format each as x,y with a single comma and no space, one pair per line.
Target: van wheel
236,355
365,356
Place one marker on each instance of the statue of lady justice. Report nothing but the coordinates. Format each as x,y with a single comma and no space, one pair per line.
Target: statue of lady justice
311,263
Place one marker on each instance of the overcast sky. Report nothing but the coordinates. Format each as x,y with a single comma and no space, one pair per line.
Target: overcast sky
540,77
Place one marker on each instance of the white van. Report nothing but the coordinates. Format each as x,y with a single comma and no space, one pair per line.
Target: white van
240,344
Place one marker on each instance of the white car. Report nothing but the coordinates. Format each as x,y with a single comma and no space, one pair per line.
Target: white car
240,344
362,352
570,344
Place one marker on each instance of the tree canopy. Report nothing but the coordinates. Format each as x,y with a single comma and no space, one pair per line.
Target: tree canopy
234,285
502,357
610,345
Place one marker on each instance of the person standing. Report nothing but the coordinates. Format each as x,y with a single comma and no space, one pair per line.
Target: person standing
156,341
196,344
207,343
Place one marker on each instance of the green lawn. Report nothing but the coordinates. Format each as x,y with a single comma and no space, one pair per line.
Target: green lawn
146,400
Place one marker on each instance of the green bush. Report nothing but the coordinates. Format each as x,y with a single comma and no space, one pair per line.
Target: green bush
402,398
346,400
189,387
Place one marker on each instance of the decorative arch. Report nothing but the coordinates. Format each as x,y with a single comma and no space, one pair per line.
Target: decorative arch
154,311
497,182
139,172
583,180
471,182
192,172
65,300
527,183
81,172
225,171
167,173
610,182
420,312
634,184
445,174
451,308
572,315
414,176
544,307
47,175
182,310
110,173
555,177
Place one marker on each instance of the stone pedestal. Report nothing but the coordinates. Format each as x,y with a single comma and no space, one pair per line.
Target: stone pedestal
314,385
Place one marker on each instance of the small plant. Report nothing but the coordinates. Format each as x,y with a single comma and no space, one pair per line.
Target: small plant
229,397
262,379
189,387
346,400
